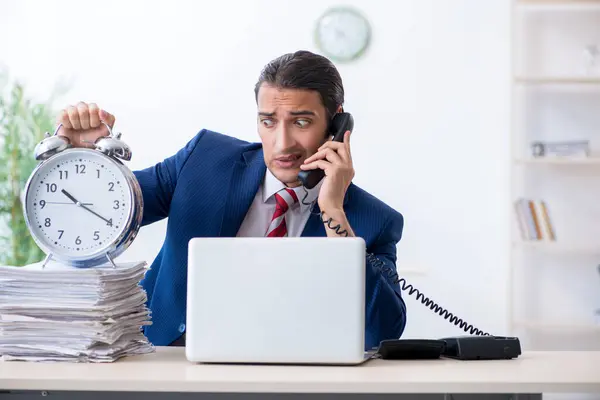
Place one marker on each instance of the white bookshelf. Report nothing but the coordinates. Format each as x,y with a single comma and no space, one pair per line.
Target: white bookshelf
557,247
560,327
590,161
559,5
556,80
555,283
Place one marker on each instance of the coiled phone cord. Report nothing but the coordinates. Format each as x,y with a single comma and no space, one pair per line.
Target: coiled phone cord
337,228
380,265
423,299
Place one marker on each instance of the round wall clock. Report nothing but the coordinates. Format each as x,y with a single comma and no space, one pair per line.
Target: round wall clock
342,33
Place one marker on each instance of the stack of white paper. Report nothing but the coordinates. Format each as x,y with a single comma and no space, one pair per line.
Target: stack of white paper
65,313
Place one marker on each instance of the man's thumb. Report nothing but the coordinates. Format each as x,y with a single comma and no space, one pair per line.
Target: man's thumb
106,117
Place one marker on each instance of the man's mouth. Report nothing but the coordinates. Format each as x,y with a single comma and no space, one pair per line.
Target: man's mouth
290,157
288,161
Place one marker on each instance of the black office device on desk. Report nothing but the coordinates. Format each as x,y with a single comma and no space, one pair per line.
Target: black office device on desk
482,347
410,349
460,348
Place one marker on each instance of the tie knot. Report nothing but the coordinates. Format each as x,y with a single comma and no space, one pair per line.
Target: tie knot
285,199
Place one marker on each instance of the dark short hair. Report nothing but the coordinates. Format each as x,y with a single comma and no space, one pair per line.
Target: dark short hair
305,70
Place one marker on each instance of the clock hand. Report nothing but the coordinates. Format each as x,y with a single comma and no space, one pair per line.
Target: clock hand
63,202
74,200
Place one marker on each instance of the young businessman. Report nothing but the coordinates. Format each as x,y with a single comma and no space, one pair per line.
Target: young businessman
218,185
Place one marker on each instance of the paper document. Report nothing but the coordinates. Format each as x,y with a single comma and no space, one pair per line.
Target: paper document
64,313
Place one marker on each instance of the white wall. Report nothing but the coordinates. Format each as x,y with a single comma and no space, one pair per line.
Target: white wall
430,100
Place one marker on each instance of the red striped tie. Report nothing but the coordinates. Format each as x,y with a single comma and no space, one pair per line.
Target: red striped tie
284,199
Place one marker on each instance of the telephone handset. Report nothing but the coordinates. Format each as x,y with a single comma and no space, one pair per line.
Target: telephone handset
340,123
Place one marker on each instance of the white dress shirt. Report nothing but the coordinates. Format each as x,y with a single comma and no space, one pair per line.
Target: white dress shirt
261,210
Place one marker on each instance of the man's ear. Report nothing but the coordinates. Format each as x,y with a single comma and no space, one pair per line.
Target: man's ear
340,109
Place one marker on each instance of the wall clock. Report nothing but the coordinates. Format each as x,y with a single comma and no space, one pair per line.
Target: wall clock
342,34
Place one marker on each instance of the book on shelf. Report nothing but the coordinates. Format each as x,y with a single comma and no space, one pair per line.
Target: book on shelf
534,220
560,149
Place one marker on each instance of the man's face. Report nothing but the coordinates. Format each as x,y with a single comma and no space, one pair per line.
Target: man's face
291,125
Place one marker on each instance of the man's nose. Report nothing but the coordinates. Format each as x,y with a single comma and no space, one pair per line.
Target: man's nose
284,138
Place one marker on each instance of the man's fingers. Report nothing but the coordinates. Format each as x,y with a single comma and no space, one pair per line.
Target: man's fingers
82,123
326,153
63,118
332,144
107,117
84,115
73,117
321,164
347,141
332,156
339,147
94,115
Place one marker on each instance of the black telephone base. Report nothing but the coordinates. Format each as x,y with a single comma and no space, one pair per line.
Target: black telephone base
482,347
410,349
460,348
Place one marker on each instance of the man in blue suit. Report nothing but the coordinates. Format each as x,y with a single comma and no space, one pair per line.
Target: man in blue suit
217,185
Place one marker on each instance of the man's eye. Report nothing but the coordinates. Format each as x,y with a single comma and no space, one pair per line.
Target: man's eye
267,122
303,123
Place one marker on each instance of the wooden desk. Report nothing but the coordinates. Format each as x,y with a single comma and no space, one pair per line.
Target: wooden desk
167,370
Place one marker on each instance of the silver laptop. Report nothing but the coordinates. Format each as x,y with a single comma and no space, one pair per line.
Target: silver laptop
276,300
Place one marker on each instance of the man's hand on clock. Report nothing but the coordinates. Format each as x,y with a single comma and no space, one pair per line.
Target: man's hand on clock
82,123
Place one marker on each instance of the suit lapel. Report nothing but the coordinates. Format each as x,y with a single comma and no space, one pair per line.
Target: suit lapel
314,226
246,177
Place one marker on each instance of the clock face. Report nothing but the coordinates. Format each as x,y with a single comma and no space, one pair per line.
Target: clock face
343,34
78,204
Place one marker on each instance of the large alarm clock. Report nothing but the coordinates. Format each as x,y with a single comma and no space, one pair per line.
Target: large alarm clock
83,206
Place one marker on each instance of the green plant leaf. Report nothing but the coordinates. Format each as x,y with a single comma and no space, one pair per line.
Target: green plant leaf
22,125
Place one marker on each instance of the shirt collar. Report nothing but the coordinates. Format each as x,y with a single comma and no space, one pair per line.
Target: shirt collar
272,185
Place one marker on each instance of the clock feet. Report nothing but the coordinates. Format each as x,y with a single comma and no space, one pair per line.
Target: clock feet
111,261
48,257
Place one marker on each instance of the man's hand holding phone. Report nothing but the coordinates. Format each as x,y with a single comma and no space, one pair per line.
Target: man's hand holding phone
335,159
82,123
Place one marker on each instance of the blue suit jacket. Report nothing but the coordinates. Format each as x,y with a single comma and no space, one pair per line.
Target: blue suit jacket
206,189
